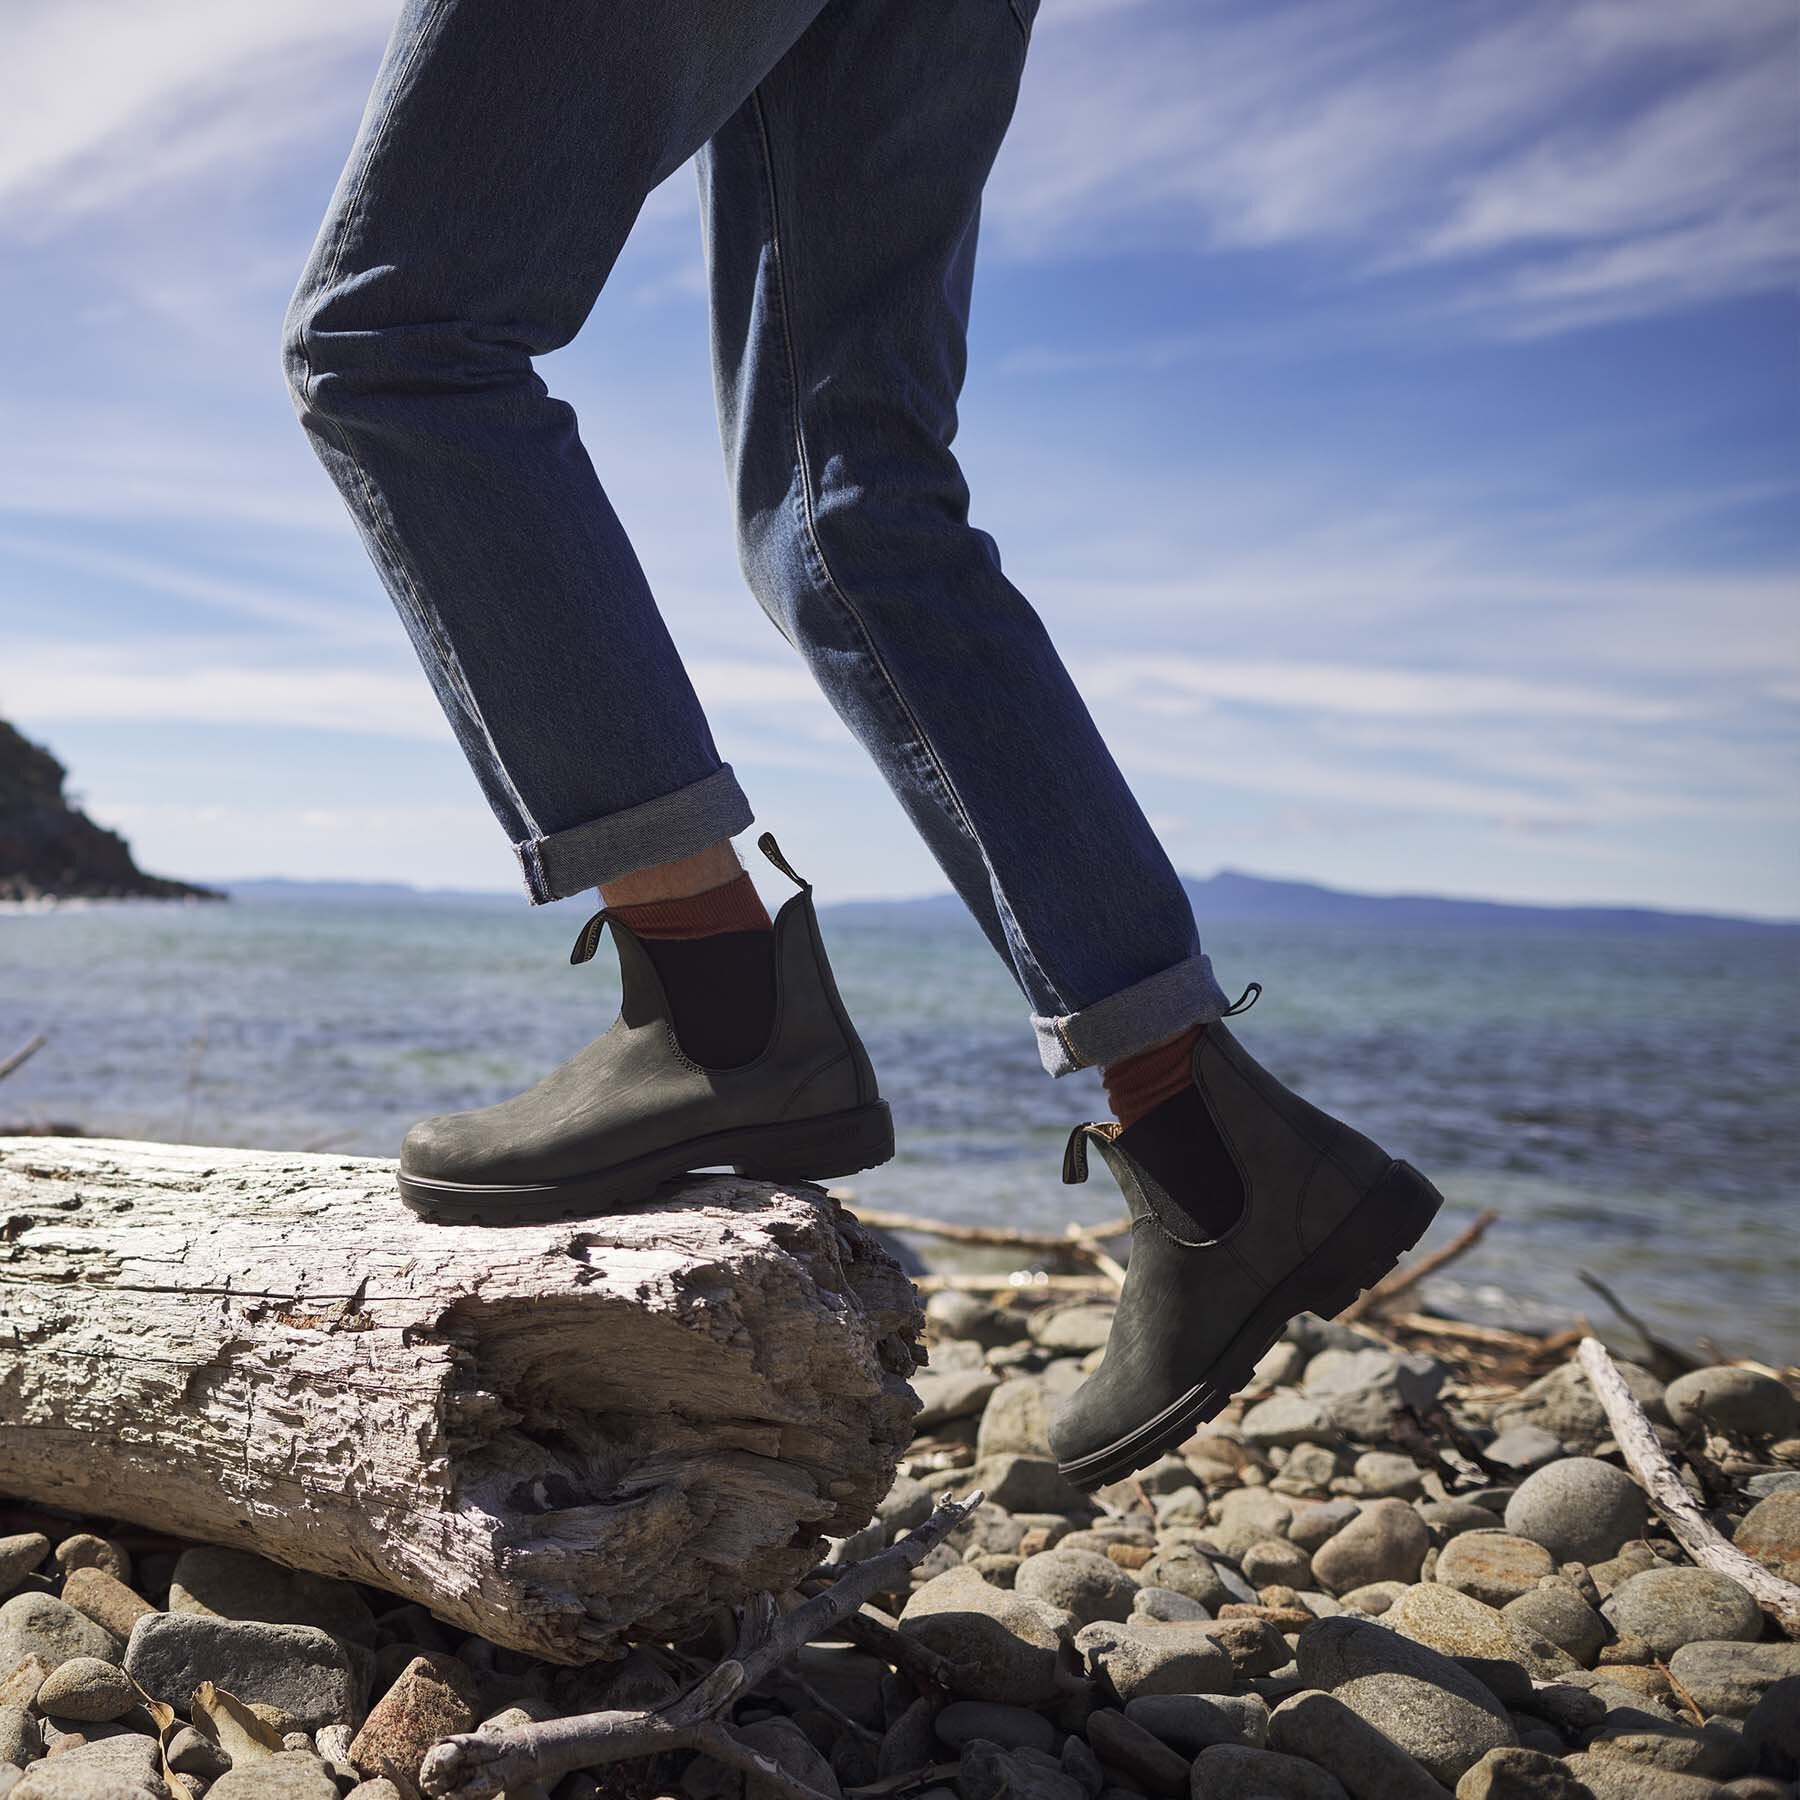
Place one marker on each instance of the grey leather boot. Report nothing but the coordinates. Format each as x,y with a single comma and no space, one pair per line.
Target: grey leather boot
1248,1205
632,1110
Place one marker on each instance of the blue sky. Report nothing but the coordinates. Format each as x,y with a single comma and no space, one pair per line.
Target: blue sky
1392,410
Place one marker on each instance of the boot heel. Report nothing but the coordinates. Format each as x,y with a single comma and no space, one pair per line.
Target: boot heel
821,1149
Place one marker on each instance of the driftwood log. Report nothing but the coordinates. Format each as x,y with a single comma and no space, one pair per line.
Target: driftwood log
559,1436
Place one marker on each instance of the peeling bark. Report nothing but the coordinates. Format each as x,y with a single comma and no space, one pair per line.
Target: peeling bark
561,1436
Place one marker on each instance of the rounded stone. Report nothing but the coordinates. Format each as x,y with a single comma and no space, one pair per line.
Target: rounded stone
1016,1419
434,1696
1005,1642
1140,1659
60,1781
1319,1521
1374,1598
1081,1583
1081,1327
22,1738
1495,1566
19,1555
1739,1402
1194,1722
1386,1474
106,1600
1556,1612
42,1625
1167,1606
1186,1571
87,1689
286,1775
1580,1509
1236,1772
308,1677
1523,1448
1285,1420
1666,1608
1365,1760
1454,1623
1011,1727
1387,1541
1434,1709
1772,1731
1515,1773
1563,1403
1450,1518
86,1551
1770,1531
1275,1562
1138,1754
234,1584
1730,1677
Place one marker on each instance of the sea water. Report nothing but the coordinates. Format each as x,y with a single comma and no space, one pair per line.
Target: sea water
1627,1103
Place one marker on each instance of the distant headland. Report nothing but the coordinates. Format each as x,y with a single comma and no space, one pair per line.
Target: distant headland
51,850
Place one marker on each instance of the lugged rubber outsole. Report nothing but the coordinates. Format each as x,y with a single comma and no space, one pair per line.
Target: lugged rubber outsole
820,1149
1386,1223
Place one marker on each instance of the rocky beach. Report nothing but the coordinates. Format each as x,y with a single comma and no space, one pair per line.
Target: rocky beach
1397,1566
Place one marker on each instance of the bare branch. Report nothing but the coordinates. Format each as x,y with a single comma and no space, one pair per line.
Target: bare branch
1651,1465
22,1055
1402,1279
470,1766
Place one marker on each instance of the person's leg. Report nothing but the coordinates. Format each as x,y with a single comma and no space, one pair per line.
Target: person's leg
841,205
504,154
841,209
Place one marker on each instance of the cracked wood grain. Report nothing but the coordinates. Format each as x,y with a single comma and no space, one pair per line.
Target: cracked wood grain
561,1436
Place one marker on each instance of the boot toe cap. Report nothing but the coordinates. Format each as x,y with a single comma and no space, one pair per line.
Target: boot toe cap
442,1149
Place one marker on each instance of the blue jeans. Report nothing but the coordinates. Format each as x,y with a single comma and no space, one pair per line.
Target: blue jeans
842,147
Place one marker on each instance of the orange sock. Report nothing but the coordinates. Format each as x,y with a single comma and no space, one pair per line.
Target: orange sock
1139,1084
733,906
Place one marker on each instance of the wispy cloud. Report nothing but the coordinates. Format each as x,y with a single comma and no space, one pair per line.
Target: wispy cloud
105,102
1626,156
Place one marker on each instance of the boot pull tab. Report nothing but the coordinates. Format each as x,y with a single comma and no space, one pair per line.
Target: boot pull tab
1244,1001
1075,1155
1075,1167
589,941
772,850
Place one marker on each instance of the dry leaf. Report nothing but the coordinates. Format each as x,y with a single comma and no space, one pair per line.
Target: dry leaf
235,1728
166,1725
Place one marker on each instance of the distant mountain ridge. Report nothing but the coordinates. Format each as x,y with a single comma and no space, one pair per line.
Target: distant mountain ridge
1230,895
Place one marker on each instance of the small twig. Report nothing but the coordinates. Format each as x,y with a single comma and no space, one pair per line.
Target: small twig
996,1235
1494,1336
1650,1463
836,1714
22,1055
1666,1359
868,1628
470,1766
1680,1692
1415,1272
1085,1244
932,1775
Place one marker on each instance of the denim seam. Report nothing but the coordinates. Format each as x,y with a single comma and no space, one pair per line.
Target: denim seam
939,773
1018,13
446,652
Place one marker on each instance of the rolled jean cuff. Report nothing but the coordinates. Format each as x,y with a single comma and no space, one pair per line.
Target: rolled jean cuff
1151,1011
657,831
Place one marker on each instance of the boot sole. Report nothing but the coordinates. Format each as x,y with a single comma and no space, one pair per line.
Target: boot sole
1385,1224
790,1150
